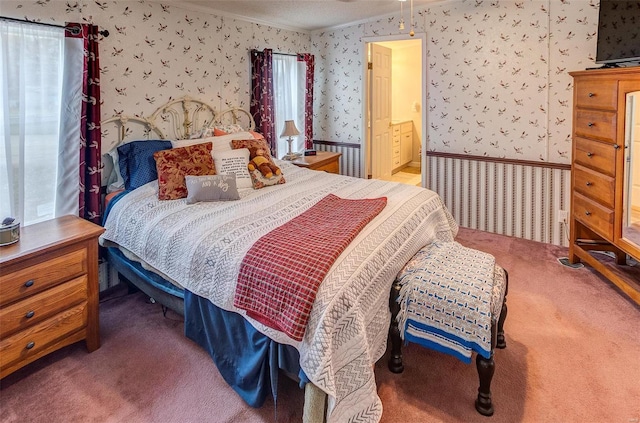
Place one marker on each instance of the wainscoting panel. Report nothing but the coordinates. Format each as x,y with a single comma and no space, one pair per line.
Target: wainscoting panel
350,159
521,200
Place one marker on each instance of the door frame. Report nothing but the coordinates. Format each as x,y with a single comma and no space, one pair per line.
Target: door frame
366,133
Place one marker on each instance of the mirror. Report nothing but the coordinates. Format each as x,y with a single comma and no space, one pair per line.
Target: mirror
631,216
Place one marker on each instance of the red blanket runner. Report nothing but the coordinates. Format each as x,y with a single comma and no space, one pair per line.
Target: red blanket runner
280,275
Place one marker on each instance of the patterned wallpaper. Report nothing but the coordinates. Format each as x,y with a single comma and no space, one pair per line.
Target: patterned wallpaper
497,69
497,75
158,51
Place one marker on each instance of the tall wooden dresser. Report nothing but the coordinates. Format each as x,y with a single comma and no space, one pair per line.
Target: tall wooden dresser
598,174
48,291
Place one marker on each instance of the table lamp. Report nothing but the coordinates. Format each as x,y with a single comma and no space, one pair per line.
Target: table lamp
290,130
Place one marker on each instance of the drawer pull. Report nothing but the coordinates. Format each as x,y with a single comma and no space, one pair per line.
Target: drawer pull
31,345
588,213
30,314
591,94
616,146
29,283
590,124
589,184
589,154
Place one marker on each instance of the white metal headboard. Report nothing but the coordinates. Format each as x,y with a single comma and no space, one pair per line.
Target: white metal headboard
174,120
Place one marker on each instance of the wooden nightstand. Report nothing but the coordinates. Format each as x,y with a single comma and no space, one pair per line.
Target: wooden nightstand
323,160
48,291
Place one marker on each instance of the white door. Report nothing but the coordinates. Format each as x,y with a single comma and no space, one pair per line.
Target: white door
380,106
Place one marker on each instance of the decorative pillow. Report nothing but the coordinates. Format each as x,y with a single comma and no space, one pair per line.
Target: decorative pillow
220,143
251,142
260,181
211,188
136,163
203,133
173,165
219,132
234,161
188,142
115,182
231,128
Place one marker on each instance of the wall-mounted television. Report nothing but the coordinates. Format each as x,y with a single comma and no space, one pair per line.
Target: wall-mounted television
618,32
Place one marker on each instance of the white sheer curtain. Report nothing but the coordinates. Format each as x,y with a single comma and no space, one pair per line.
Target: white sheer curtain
31,69
288,92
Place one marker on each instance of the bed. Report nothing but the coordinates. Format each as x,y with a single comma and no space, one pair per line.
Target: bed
188,257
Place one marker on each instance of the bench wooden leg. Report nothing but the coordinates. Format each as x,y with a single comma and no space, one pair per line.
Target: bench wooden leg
395,361
486,368
501,341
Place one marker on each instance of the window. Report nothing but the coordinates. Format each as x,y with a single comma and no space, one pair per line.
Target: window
288,91
31,63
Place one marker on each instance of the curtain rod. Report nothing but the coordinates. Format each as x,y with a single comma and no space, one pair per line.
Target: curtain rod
103,32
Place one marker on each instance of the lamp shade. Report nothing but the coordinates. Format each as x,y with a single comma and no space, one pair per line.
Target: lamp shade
290,129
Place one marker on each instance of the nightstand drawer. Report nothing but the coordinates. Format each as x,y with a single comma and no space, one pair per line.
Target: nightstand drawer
40,276
597,94
596,124
594,185
595,216
30,342
38,307
595,155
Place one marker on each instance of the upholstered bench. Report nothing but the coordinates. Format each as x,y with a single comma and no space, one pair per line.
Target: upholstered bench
452,299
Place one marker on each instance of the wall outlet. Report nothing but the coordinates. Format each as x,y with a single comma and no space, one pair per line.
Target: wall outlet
563,216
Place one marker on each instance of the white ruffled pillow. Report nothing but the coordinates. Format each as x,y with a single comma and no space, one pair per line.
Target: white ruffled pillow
234,161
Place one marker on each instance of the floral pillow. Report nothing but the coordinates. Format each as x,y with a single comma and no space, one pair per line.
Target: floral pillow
227,129
250,143
259,181
173,165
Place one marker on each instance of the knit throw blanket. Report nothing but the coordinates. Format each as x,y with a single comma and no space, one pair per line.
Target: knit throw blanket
445,300
280,274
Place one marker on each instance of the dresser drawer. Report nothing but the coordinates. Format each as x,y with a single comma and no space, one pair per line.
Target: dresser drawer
40,276
39,307
595,216
595,155
595,185
596,124
30,342
597,94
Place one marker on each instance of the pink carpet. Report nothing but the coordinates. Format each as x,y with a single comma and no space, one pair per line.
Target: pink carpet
573,355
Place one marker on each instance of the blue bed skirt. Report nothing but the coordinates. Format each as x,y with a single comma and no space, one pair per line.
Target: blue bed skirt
247,360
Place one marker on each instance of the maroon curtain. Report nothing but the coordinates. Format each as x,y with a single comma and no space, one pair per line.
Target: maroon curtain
262,107
90,204
308,98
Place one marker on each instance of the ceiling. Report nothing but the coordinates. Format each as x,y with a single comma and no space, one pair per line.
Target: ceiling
306,15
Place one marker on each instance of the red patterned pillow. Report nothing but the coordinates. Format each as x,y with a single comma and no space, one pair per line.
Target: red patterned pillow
254,142
174,164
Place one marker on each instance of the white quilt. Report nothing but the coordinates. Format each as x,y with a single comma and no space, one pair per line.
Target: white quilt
201,246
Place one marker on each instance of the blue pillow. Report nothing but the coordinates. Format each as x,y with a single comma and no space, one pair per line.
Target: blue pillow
137,165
